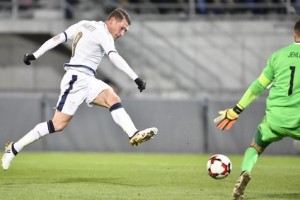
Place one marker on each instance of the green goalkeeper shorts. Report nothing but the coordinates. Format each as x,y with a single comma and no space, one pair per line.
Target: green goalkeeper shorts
268,133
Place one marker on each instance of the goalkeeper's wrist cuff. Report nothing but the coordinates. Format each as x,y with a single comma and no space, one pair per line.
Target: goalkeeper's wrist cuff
238,109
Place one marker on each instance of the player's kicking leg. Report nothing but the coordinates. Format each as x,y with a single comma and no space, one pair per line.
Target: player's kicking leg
240,186
8,155
136,137
143,136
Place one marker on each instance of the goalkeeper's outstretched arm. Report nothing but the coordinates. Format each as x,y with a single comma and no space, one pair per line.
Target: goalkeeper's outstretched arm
228,117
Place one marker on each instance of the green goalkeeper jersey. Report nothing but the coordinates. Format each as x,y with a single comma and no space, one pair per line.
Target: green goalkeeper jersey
283,102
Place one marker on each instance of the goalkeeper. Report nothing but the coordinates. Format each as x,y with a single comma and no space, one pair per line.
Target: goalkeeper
282,118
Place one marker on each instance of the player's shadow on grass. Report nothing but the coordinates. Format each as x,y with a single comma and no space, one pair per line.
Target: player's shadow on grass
112,181
278,196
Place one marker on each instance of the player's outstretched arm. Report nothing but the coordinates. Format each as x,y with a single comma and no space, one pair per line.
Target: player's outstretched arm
49,44
228,117
121,64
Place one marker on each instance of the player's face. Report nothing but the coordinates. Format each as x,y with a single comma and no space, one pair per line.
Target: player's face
117,28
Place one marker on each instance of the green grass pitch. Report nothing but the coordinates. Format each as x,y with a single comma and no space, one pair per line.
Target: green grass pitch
122,176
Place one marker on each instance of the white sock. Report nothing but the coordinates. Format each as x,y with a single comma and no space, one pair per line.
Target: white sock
36,133
121,118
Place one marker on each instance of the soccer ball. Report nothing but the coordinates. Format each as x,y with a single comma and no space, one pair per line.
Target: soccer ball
219,166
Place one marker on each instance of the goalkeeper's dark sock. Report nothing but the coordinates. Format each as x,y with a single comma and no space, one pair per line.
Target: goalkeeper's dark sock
249,160
36,133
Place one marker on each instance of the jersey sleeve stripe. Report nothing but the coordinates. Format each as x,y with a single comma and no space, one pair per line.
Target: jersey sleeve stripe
111,52
65,36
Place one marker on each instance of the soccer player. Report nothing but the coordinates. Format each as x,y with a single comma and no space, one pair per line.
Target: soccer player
91,40
282,118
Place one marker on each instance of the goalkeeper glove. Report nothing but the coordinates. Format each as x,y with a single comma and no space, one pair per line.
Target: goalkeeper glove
140,83
28,57
228,117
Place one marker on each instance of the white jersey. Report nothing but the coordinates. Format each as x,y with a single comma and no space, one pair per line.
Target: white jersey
90,41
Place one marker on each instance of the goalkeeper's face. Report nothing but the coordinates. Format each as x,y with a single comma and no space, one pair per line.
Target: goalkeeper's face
117,28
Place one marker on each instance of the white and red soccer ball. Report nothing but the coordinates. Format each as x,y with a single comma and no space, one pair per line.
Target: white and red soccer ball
219,166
